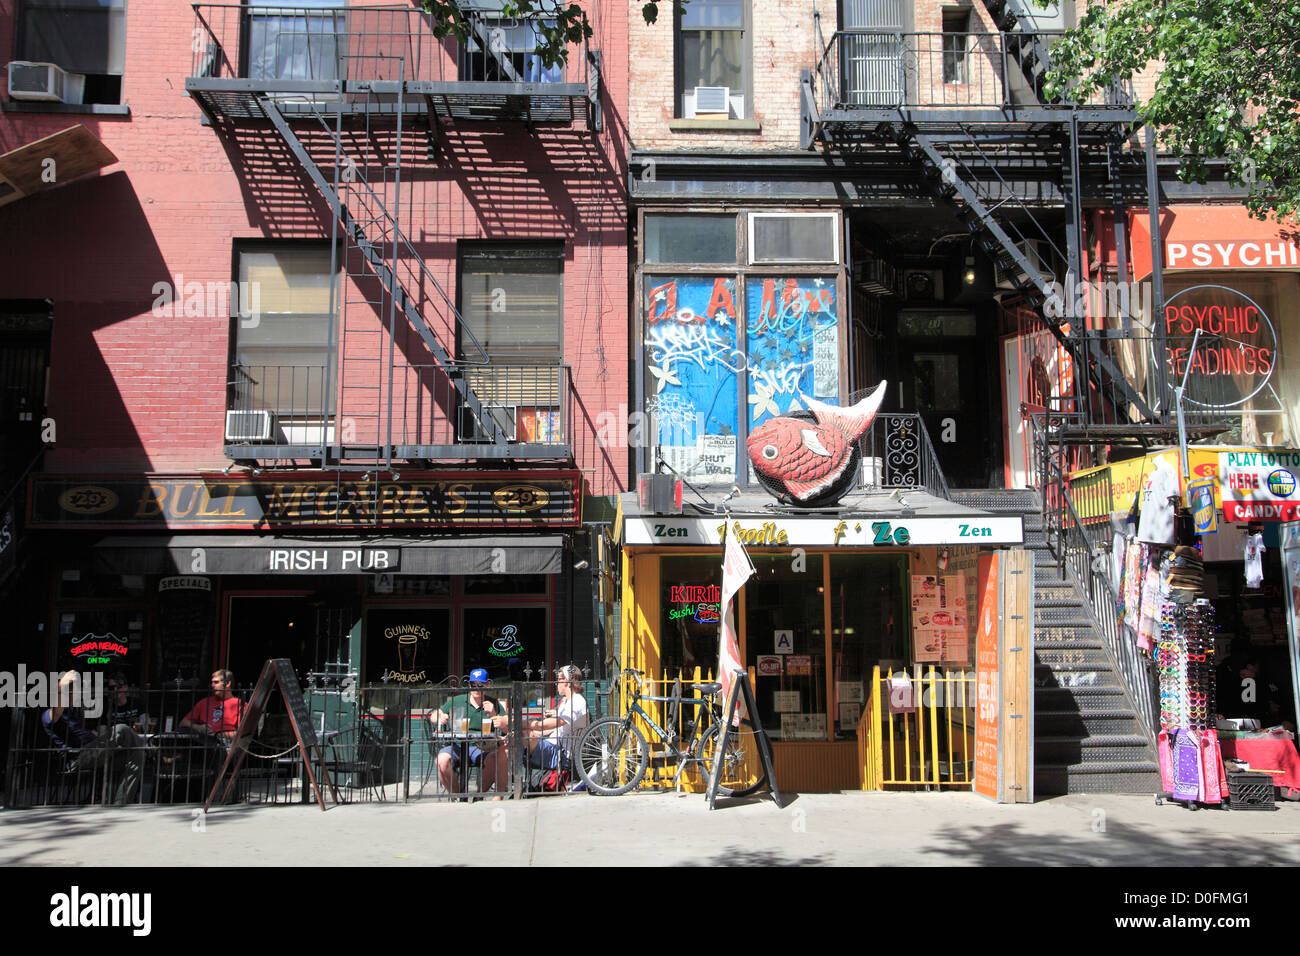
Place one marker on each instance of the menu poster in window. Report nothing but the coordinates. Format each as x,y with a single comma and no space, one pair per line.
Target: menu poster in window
692,361
803,726
926,592
186,617
846,691
784,701
927,645
850,713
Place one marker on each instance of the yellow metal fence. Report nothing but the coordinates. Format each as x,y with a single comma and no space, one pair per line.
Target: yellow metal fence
918,729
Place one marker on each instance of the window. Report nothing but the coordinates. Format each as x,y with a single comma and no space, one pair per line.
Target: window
690,239
713,58
282,354
86,37
793,237
510,306
501,50
956,37
286,42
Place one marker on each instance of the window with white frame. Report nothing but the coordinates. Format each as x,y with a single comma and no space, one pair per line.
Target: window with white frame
282,332
794,237
713,59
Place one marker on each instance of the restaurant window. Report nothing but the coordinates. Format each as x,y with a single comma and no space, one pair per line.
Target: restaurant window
713,51
295,41
688,614
282,337
785,643
510,338
870,626
85,38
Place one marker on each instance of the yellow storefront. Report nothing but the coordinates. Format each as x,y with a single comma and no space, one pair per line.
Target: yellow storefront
834,601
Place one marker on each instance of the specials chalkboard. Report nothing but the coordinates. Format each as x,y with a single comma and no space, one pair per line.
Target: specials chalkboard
182,646
293,700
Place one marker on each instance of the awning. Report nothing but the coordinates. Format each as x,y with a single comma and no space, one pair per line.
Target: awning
272,555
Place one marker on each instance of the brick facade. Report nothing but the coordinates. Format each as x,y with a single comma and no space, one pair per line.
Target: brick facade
130,390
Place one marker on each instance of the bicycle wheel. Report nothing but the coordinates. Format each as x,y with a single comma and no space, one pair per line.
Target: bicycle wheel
612,757
742,769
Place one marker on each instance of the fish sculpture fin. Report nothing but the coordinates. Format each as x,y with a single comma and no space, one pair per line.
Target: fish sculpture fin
851,422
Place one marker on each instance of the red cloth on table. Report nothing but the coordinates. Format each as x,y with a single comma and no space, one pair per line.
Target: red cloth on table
1264,754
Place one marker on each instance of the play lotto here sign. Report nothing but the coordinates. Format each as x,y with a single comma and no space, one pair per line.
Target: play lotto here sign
1259,485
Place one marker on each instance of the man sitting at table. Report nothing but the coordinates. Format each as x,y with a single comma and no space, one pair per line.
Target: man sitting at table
475,708
218,714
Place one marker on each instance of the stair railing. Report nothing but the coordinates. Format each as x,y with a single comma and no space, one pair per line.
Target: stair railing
1088,563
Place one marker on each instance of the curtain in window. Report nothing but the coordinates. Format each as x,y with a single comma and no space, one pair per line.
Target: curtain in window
82,36
287,43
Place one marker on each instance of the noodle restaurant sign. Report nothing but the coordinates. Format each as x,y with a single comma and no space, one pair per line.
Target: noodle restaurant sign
1237,350
1259,485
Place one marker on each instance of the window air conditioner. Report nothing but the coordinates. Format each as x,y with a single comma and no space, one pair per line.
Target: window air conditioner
712,99
1038,254
504,417
44,81
250,425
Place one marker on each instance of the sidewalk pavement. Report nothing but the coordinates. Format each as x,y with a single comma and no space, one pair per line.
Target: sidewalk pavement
873,829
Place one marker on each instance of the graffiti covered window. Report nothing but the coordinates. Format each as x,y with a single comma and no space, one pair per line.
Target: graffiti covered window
692,364
699,359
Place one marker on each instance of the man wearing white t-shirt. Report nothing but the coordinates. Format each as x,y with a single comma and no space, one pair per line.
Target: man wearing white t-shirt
558,728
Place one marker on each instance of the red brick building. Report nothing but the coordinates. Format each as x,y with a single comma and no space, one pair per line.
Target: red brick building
333,312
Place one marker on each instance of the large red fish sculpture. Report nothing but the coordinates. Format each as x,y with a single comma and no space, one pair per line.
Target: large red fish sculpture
805,459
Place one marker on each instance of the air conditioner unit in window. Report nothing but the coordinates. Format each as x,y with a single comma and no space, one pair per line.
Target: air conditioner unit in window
257,425
712,99
504,417
44,81
1039,255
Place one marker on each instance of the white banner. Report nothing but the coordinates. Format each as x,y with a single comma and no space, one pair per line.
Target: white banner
829,532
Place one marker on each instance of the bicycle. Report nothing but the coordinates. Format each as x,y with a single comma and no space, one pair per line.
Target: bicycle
612,754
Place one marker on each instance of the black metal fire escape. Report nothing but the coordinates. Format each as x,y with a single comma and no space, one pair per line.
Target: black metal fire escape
1002,154
350,113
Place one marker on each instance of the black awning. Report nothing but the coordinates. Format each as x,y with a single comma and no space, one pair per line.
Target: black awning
273,555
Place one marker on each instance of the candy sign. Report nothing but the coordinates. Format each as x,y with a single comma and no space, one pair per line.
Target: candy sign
1259,485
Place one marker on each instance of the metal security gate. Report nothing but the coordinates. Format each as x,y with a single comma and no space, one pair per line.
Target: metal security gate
872,67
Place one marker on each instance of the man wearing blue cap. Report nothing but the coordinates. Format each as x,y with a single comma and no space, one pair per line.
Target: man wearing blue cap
475,708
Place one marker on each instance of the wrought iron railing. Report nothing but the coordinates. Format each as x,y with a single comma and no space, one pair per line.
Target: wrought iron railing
377,743
298,405
366,44
897,455
883,69
1082,549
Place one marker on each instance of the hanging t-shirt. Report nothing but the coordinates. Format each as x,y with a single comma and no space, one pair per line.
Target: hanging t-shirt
1254,560
1159,494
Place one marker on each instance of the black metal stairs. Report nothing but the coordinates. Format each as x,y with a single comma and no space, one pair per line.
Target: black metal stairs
372,248
1088,737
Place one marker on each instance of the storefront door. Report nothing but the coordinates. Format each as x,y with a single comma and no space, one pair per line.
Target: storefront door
941,367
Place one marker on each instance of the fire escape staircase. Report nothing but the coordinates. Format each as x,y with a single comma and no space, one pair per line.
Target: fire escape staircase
1001,166
375,87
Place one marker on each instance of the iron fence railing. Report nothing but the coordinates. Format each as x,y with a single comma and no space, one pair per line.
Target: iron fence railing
299,405
897,455
884,69
1082,549
368,44
376,743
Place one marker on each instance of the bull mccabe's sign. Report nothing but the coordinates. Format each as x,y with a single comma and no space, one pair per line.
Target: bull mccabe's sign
297,500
